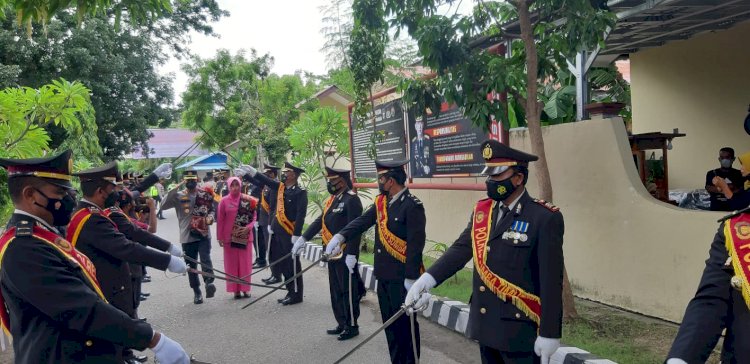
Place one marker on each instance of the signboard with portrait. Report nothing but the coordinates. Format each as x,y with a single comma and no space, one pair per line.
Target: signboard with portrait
389,138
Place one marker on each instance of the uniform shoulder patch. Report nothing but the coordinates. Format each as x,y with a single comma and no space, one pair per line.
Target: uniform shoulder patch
415,199
24,228
547,205
94,209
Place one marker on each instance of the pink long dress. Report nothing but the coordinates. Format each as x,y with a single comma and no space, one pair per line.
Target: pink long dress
237,261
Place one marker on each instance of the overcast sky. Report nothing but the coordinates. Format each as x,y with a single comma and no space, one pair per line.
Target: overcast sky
287,29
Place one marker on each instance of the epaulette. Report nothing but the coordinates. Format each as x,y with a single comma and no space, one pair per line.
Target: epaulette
415,199
547,205
24,228
94,209
351,193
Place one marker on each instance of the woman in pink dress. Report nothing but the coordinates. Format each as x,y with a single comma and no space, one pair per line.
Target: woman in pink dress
235,219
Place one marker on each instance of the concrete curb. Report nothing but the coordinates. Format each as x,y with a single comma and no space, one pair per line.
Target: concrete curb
455,314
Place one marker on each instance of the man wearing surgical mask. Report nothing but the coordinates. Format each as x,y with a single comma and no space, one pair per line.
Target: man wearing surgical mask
732,178
516,242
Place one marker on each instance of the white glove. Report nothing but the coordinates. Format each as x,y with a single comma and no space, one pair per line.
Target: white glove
418,294
407,283
270,231
299,244
676,361
176,265
333,247
351,262
249,170
239,172
163,170
256,224
168,351
175,250
545,347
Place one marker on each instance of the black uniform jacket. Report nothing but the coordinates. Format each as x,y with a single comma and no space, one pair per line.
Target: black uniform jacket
716,306
345,208
55,316
110,251
138,235
264,218
406,219
534,265
295,205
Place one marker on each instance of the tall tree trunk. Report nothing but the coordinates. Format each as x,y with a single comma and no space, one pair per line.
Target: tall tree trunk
533,110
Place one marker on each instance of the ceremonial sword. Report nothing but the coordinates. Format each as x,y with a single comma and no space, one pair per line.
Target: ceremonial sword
277,261
322,258
238,281
206,266
385,325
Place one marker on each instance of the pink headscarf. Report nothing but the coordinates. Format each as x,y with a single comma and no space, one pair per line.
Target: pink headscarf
234,196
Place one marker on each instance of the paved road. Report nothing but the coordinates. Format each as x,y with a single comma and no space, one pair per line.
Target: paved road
218,331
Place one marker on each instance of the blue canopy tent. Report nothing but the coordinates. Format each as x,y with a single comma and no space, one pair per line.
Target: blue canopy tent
208,162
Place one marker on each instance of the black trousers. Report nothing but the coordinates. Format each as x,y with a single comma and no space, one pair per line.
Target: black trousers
136,282
274,253
391,295
193,250
338,280
495,356
281,243
261,245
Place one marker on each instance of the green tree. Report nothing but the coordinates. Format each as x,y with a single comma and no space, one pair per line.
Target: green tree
336,29
454,47
233,98
25,113
118,66
28,11
318,137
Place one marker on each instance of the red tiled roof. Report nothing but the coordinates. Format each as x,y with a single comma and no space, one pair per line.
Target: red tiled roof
170,143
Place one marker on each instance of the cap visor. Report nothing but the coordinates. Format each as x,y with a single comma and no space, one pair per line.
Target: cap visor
492,171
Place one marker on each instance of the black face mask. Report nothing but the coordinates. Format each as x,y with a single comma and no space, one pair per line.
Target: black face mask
111,199
331,188
191,185
59,208
283,178
500,190
381,188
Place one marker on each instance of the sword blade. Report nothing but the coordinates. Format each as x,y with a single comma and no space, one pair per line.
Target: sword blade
238,281
286,282
206,266
390,321
277,261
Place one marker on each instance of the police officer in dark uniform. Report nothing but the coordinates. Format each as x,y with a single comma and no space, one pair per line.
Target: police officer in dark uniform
516,242
287,221
341,208
224,189
51,299
719,304
399,242
267,206
95,235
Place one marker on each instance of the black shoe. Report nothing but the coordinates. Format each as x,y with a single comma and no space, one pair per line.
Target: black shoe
273,280
257,265
335,331
142,298
146,279
140,358
132,360
245,295
210,290
265,280
237,296
282,299
145,294
198,298
142,319
349,332
291,301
